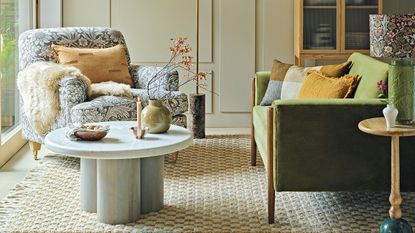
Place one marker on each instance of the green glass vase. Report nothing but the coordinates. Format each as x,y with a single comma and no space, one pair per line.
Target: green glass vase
401,89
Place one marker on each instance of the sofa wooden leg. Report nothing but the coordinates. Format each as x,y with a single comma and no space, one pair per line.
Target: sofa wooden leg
34,147
253,149
270,167
253,143
271,204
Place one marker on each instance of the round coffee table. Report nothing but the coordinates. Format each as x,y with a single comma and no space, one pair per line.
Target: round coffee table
377,126
121,177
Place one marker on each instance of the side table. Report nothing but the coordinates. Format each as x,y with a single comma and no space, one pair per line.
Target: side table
377,126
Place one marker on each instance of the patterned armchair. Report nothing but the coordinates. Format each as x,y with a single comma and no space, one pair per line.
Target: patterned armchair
35,45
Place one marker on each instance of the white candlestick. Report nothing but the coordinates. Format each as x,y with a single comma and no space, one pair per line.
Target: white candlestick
139,108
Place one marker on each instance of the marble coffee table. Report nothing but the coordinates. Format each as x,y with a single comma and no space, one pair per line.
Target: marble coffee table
121,177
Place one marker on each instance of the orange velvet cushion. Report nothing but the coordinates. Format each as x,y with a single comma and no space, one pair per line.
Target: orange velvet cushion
279,70
336,70
99,65
318,86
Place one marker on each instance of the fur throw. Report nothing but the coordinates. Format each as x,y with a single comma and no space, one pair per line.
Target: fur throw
110,88
39,88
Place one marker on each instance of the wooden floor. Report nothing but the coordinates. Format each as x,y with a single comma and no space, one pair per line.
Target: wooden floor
16,169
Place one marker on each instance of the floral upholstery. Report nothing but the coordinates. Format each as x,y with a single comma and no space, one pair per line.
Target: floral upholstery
35,45
112,108
168,82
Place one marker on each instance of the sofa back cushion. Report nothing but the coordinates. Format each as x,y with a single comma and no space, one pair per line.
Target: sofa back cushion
319,86
370,72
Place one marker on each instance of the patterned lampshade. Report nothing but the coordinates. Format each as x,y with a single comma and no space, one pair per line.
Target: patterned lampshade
392,36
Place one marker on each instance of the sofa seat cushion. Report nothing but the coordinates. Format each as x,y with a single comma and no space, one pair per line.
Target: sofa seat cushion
112,108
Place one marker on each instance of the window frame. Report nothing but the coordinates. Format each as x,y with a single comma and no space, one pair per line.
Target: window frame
11,143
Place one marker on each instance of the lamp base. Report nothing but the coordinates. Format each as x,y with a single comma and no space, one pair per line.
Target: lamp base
197,112
390,225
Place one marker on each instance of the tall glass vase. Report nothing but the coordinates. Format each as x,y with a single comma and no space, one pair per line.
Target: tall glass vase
401,89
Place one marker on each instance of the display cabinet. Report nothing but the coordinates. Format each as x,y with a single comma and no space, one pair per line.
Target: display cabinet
332,29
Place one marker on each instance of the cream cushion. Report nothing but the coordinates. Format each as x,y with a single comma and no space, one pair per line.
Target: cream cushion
293,81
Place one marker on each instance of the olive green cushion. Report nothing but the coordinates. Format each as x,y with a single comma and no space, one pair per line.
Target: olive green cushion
370,71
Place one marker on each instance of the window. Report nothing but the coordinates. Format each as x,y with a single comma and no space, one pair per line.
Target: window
15,17
8,66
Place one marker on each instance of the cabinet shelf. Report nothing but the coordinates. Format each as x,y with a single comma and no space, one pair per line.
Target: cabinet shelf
362,7
319,7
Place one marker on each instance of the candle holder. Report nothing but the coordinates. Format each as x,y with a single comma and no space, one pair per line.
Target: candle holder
139,133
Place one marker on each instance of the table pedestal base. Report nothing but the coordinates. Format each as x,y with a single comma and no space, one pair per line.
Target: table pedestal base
120,190
390,225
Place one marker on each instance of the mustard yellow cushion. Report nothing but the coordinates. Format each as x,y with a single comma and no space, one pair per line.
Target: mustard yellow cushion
279,70
319,86
336,70
99,65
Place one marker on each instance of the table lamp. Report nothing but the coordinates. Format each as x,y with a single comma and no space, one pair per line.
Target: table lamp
392,37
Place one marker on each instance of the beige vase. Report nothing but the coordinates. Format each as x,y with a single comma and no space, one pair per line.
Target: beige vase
156,117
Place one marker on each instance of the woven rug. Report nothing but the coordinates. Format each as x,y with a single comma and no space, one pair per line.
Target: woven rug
211,188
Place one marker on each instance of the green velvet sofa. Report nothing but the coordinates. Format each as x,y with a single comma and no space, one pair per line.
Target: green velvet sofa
315,144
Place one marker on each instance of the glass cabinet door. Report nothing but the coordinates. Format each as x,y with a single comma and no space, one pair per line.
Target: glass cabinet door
356,28
320,25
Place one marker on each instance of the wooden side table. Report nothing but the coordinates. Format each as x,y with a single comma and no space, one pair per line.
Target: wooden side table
377,126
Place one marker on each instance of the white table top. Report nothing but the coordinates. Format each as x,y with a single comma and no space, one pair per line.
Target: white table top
120,143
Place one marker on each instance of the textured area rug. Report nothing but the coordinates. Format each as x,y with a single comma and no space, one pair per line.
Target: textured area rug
211,188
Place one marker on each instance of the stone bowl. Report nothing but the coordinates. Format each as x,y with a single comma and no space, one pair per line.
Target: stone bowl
92,132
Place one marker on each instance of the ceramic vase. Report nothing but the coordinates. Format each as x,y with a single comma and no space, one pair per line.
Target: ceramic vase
401,89
156,117
390,113
197,112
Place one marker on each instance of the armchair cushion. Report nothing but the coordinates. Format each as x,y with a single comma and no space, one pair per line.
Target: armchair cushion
99,65
112,108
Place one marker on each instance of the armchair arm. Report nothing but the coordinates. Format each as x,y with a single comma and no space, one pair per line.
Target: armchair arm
72,91
261,84
318,146
142,74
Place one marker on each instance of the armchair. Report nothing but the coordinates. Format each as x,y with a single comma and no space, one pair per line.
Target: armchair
35,45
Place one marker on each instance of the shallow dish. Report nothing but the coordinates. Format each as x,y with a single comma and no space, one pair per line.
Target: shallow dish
91,132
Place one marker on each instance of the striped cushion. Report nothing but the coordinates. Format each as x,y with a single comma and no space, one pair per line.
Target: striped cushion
287,87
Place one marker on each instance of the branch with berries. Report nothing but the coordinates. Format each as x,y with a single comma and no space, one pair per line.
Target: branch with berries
180,59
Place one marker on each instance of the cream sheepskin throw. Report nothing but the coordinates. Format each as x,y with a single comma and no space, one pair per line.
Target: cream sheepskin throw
39,87
110,88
